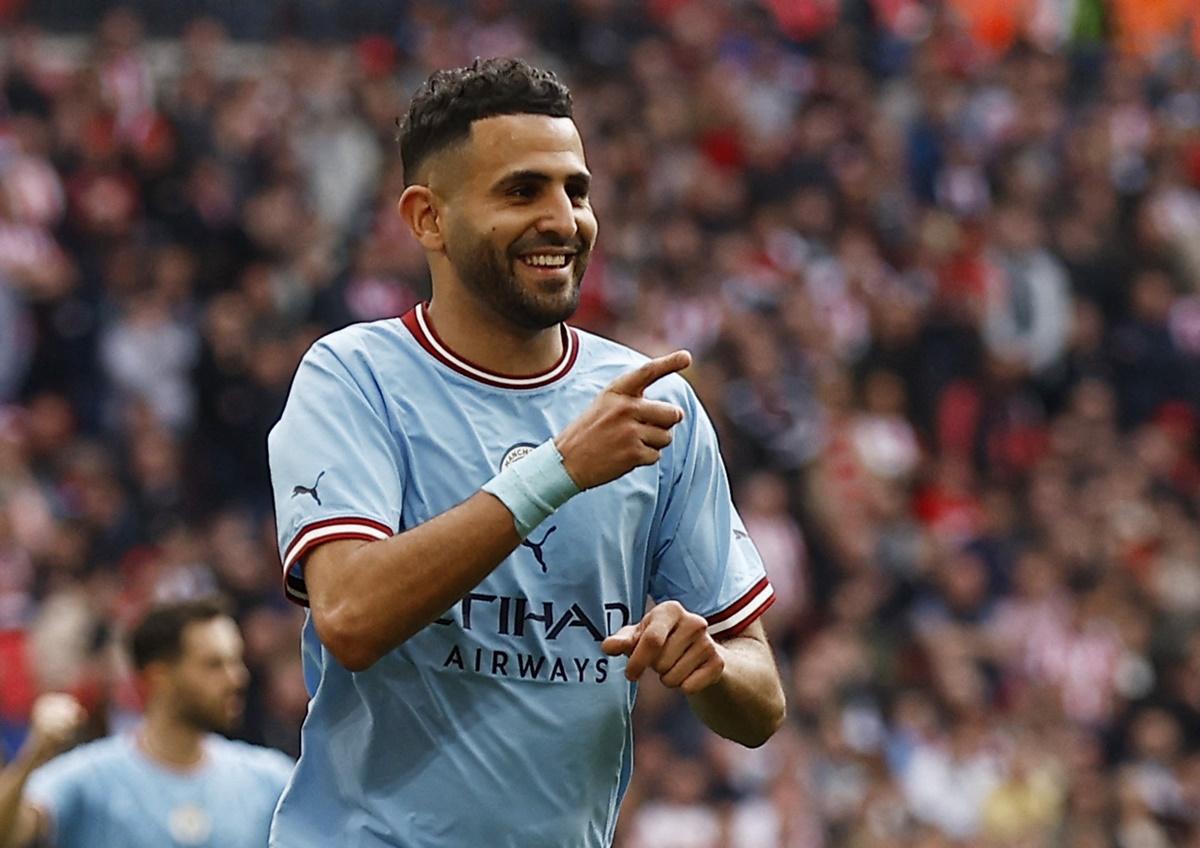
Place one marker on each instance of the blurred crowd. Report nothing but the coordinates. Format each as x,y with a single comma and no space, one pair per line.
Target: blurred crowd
939,263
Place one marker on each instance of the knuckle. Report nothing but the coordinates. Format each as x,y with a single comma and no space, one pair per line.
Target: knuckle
654,638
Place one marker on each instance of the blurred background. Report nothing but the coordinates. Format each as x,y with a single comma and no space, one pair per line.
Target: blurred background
939,263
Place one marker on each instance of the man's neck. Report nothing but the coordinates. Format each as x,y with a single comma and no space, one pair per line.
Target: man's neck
480,335
170,741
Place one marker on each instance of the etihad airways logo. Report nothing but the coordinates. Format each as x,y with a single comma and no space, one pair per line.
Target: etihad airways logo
520,618
507,615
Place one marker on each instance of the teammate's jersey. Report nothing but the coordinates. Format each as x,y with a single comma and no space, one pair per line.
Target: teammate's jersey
111,793
502,723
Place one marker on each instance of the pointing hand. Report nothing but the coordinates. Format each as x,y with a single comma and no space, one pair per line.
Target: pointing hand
622,430
673,642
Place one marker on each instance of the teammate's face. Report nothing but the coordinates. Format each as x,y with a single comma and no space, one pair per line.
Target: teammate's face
520,228
208,681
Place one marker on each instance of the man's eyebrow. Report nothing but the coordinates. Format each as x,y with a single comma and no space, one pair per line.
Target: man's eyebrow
530,176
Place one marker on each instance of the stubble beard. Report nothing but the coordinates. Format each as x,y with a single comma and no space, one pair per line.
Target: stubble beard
209,718
489,274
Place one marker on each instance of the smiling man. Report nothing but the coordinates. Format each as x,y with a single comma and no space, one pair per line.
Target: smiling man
471,684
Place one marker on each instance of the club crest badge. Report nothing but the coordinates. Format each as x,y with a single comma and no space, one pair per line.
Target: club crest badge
516,452
189,825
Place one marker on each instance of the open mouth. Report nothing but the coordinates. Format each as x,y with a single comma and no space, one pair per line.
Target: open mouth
547,261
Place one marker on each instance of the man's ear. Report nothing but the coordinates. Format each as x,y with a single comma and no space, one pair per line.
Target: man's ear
418,207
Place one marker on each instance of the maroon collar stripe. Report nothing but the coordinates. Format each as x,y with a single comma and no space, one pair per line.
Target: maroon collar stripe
419,325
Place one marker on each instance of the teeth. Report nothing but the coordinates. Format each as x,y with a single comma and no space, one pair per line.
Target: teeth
545,260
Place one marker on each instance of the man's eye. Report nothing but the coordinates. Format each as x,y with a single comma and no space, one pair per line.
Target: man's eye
523,192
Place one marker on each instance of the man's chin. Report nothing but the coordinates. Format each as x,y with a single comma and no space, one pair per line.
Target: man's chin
233,720
545,315
539,309
224,723
531,303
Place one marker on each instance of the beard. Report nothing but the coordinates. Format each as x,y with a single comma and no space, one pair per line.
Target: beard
490,274
209,716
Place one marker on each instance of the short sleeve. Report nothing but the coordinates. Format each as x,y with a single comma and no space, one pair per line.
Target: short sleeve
702,555
59,790
335,466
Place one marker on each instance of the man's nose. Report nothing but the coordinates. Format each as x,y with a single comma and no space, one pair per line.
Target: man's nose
558,215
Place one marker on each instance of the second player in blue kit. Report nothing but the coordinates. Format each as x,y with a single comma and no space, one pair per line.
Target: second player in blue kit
475,501
173,781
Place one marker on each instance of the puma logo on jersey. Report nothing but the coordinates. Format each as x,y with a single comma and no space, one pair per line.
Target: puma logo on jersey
536,547
310,490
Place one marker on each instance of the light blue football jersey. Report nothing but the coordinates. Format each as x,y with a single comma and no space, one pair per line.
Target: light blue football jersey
111,794
502,723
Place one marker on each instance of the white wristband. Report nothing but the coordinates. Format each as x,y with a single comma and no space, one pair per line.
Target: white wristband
533,487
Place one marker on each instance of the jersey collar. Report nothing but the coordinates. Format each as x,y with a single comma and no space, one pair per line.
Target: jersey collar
418,323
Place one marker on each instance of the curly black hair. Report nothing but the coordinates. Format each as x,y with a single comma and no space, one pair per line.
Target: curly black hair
448,102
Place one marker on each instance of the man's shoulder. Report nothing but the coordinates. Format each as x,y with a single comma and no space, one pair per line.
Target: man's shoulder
603,360
361,342
99,755
233,754
601,349
358,355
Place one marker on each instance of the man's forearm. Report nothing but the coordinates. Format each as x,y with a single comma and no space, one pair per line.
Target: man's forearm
15,825
747,703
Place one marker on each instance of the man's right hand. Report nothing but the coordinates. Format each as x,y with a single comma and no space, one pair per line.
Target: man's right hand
54,721
621,429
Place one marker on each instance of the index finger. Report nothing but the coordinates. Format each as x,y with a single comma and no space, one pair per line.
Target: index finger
649,645
635,382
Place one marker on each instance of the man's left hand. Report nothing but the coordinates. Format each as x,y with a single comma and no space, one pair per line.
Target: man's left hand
675,643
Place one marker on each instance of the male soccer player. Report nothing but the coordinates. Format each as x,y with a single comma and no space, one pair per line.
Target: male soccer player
172,782
475,501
